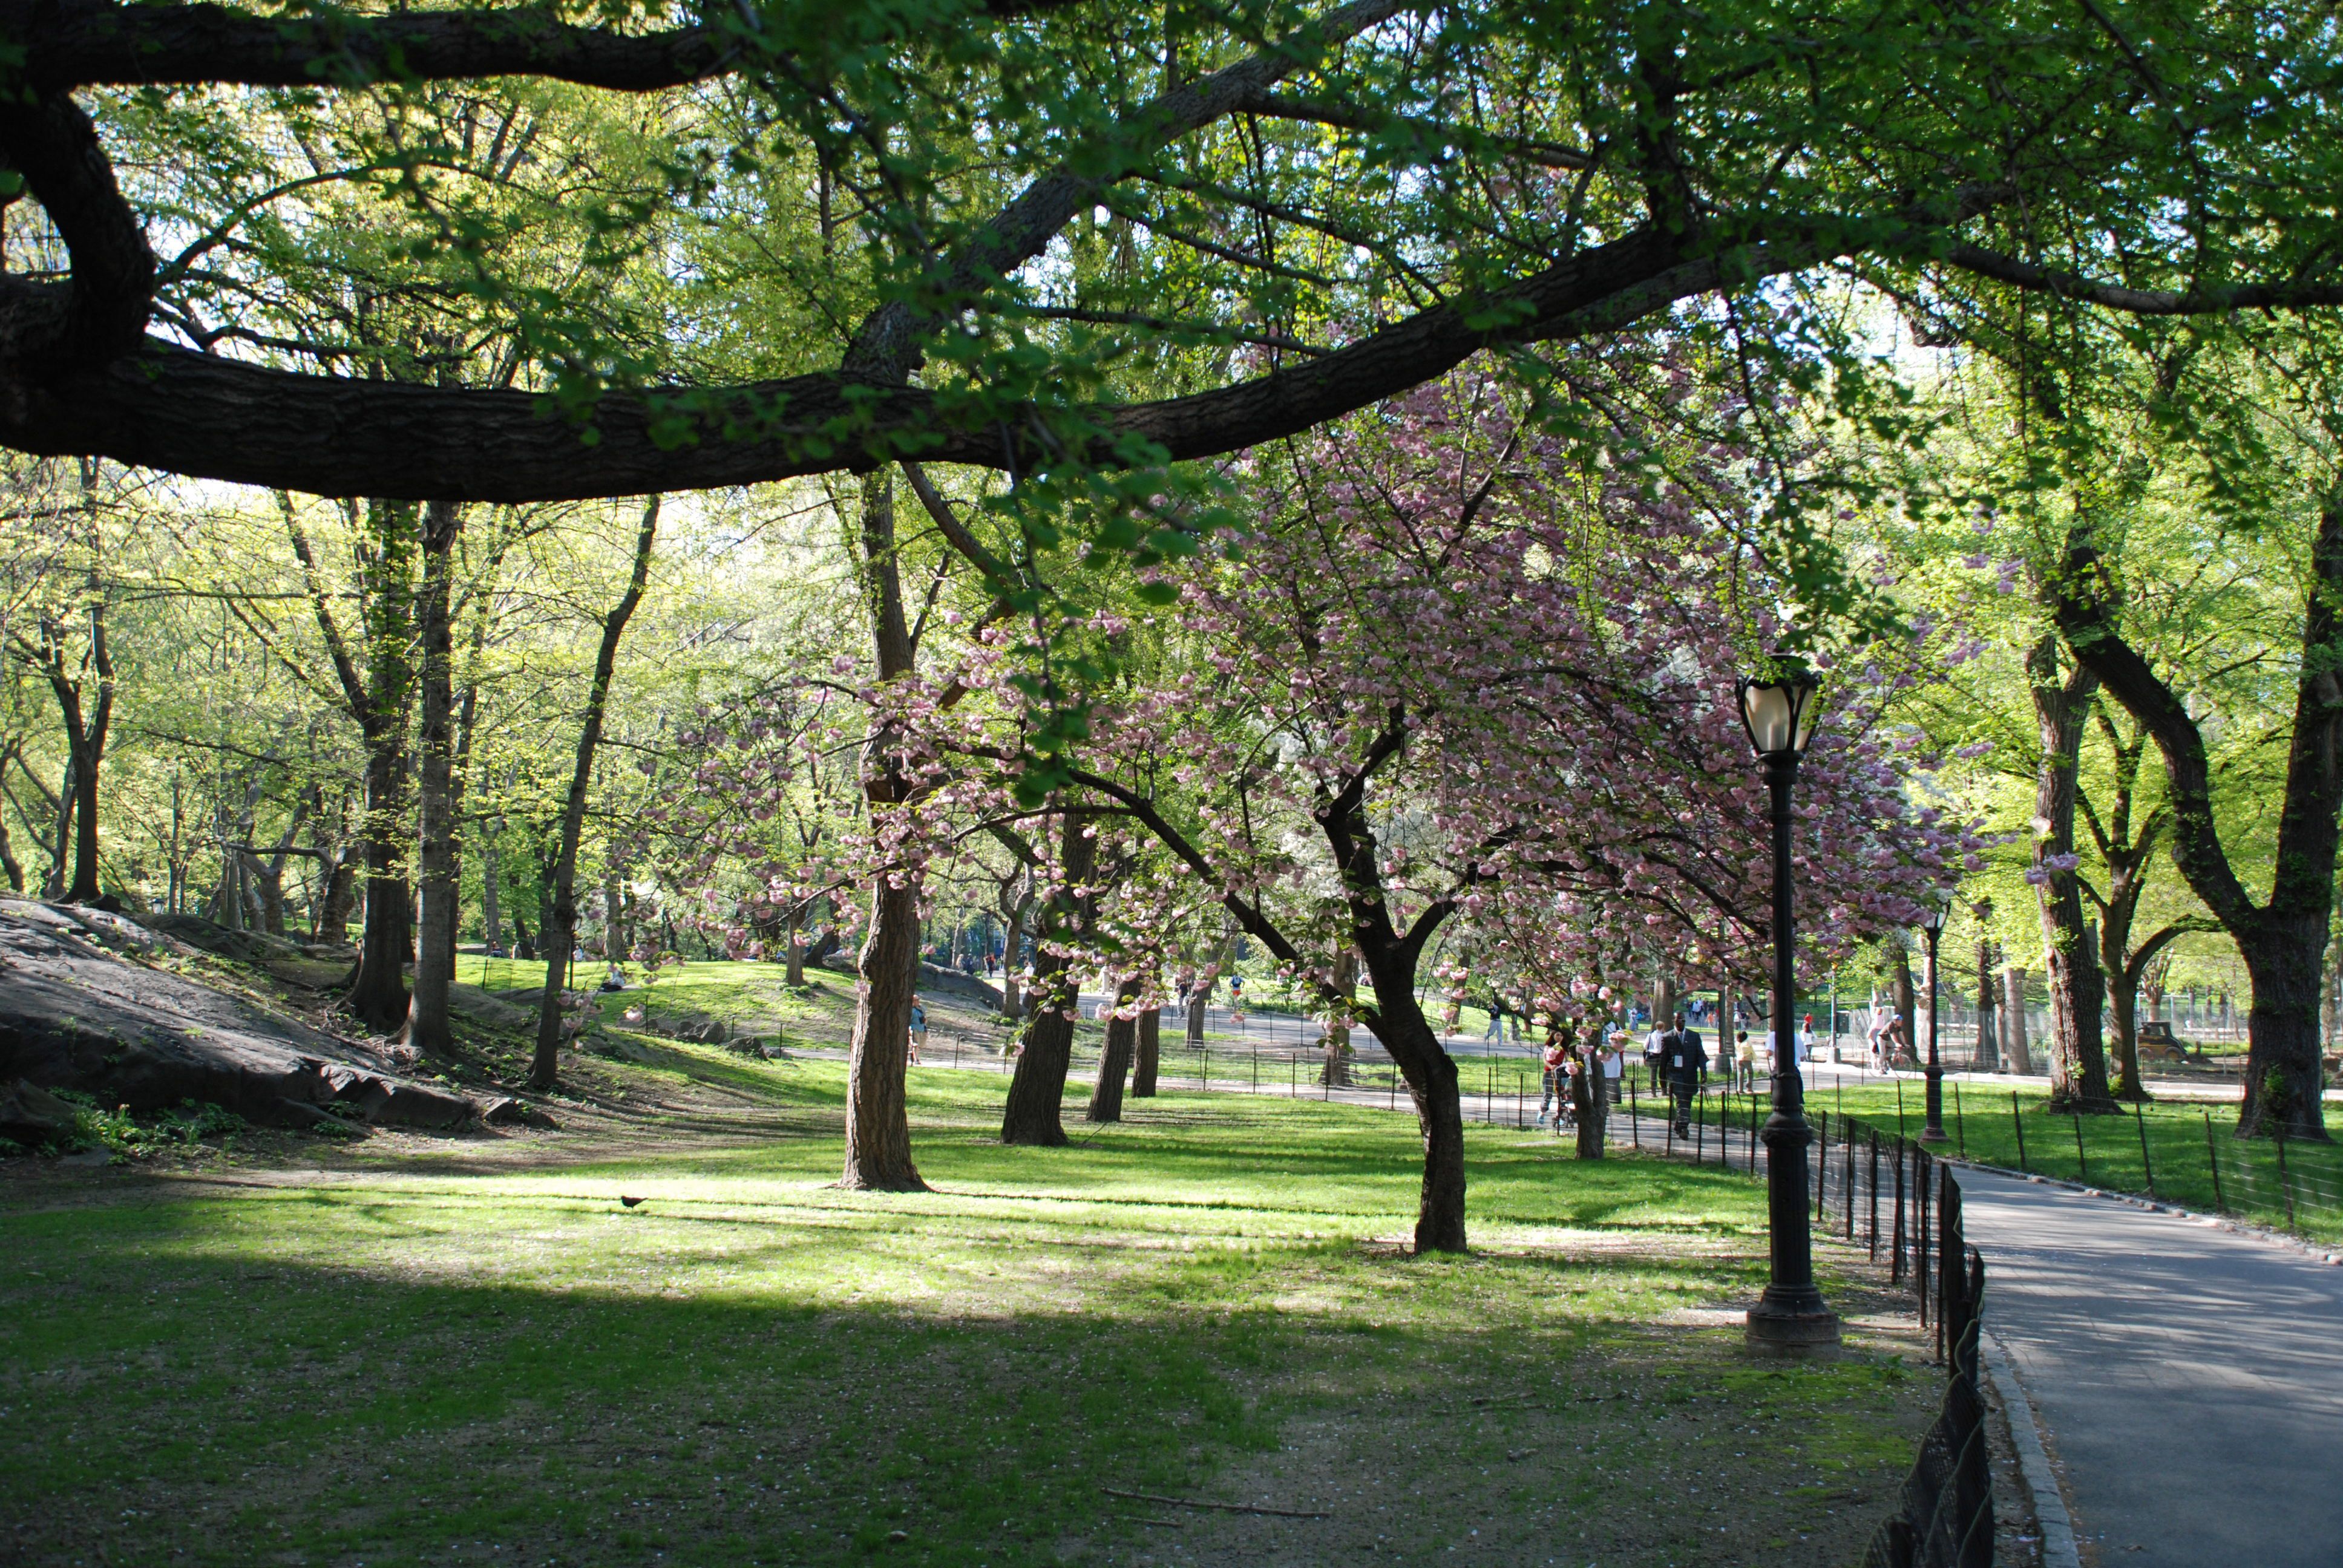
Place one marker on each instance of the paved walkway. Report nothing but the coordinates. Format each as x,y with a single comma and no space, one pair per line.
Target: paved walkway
2190,1380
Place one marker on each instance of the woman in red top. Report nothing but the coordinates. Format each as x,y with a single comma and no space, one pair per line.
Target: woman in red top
1558,1084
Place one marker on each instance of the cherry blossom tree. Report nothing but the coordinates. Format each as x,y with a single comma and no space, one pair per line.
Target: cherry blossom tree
1462,671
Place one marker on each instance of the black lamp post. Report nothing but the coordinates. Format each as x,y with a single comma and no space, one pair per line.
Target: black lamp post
1779,714
1932,920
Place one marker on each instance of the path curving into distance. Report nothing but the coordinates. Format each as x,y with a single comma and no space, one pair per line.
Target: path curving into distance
2188,1380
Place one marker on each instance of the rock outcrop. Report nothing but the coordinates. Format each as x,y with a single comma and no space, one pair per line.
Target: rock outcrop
89,1000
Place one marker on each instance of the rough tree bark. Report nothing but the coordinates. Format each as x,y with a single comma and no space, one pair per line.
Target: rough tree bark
1988,1051
1335,1070
1906,1012
2079,1062
1037,1091
1148,1054
1114,1057
428,1027
794,953
1012,1004
558,928
1589,1099
2013,1010
2283,941
379,703
878,1126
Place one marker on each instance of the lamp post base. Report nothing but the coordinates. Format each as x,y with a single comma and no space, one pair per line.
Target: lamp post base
1935,1135
1792,1328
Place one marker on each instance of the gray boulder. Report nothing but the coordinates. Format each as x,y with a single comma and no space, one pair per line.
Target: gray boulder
84,1005
32,1116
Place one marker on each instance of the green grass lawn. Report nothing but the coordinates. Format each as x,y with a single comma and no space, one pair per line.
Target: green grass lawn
2180,1156
466,1351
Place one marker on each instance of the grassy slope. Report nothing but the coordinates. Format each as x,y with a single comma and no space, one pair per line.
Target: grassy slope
443,1350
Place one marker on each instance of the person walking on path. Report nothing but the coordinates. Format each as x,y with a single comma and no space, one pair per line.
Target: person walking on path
1745,1060
1615,1051
1655,1074
918,1029
1683,1058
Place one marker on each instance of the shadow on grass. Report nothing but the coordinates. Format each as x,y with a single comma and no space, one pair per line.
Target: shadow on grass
418,1361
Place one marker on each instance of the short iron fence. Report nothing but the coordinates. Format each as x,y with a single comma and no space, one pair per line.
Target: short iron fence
1944,1514
1887,1192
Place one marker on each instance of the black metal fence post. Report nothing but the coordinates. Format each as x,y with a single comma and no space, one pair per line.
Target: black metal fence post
2148,1170
1846,1177
1896,1247
1943,1517
2213,1163
1822,1166
2284,1186
1874,1193
2082,1163
1922,1163
2018,1120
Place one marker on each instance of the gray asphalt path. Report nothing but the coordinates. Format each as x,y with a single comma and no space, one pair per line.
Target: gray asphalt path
2190,1380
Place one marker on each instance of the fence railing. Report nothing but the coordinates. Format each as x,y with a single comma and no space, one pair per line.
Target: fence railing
1944,1514
1888,1193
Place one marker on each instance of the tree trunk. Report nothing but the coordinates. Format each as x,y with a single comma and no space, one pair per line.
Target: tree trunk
2123,1002
87,756
1664,1002
2329,996
492,925
878,1126
2283,941
1200,1000
378,996
559,931
2013,1009
1013,938
1988,1051
793,972
428,1028
1906,1013
1590,1099
1432,1084
1037,1091
340,899
2078,1066
1114,1058
1335,1071
1150,1050
2284,1085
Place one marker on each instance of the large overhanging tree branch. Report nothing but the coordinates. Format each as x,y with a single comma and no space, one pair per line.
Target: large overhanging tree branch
97,43
1644,218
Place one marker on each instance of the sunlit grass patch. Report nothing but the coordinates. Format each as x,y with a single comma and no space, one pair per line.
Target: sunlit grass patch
399,1361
